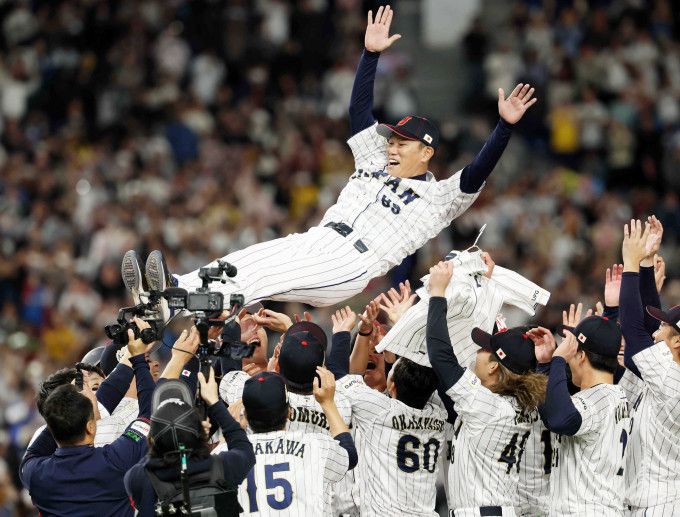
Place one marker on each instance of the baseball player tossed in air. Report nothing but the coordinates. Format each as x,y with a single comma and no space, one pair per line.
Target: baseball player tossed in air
293,469
496,406
389,208
592,426
653,468
400,436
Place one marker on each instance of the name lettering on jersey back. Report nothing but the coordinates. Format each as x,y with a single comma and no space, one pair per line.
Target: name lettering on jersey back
308,416
281,446
403,423
526,418
406,195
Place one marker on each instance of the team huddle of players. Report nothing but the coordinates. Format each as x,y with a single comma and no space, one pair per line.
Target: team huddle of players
532,427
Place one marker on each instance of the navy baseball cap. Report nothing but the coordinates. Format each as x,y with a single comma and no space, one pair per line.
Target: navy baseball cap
512,348
412,128
303,349
672,317
173,413
264,395
599,335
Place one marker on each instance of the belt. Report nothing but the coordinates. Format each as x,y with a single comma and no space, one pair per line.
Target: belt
485,511
344,230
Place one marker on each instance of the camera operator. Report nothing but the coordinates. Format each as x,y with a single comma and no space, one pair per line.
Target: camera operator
64,473
177,432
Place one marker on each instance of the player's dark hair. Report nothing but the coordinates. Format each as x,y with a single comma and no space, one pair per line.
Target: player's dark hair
67,412
528,389
277,422
59,378
415,383
601,362
164,447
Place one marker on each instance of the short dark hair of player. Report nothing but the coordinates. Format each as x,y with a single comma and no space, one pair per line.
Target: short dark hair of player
67,412
277,422
528,389
59,378
600,362
415,383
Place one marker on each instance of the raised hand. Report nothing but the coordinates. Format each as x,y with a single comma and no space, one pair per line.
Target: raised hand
440,276
324,386
653,242
276,321
513,108
208,387
187,343
343,320
394,303
635,245
612,285
544,342
659,272
306,316
568,347
377,36
573,317
486,258
369,315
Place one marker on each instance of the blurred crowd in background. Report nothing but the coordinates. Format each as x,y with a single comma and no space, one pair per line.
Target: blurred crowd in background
201,127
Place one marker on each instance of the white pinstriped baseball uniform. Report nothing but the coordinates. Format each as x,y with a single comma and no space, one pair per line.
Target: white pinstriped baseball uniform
308,417
390,218
399,449
653,458
488,449
293,471
111,427
472,301
587,468
534,472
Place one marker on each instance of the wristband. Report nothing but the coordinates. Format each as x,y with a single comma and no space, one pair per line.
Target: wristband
366,333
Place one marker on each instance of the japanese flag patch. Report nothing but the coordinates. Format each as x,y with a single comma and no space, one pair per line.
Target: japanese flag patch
582,338
186,373
500,353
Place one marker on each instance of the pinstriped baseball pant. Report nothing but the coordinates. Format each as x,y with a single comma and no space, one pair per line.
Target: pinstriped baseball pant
319,267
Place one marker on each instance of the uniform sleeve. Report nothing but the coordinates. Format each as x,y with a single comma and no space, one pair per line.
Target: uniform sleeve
114,387
518,291
631,385
361,101
654,364
126,450
336,458
231,386
672,403
474,402
475,173
369,149
592,406
366,402
452,198
649,296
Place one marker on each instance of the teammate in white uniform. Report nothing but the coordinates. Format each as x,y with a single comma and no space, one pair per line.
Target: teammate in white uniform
652,382
400,436
592,426
302,351
497,405
293,469
390,207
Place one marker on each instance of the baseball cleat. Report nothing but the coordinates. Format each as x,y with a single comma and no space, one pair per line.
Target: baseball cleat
132,276
158,279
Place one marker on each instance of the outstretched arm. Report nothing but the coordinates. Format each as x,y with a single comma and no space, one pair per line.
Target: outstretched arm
511,111
376,40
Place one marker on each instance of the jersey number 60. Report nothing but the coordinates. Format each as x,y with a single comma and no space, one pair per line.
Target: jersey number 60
409,460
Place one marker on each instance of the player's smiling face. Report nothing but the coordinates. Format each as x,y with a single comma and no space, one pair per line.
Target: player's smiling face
407,158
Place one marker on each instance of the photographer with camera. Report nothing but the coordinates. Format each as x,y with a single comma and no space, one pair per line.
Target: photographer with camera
179,472
63,471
